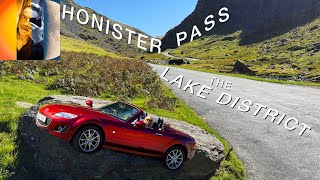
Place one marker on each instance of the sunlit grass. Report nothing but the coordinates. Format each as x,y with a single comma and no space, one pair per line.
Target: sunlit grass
12,90
74,45
219,53
301,83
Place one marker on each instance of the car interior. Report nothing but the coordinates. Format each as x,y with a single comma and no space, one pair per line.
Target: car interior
157,122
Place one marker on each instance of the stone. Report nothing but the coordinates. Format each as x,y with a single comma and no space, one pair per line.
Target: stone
295,48
241,68
314,28
176,62
21,77
23,104
264,59
272,66
316,45
316,79
30,76
283,40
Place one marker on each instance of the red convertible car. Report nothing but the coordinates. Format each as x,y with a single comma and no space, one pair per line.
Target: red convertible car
117,126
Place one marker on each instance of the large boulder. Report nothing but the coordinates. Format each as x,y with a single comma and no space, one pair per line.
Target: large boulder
176,62
241,68
56,159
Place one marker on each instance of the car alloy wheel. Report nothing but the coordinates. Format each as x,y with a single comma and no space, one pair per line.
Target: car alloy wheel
88,139
174,158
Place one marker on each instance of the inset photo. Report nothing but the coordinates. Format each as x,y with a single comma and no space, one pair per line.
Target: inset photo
34,32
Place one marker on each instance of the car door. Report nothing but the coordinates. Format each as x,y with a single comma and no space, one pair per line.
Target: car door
148,140
139,139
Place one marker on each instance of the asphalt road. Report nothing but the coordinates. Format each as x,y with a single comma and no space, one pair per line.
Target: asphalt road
268,150
167,53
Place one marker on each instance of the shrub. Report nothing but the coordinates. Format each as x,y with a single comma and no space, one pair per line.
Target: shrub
91,75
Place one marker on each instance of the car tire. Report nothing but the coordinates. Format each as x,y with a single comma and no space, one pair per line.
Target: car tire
88,139
174,158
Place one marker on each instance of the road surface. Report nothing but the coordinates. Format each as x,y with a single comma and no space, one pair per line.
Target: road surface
268,150
167,53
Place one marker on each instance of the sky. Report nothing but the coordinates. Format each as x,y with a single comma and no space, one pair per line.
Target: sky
154,18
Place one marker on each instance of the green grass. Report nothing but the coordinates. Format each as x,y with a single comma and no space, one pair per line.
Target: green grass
300,83
70,44
17,90
219,53
13,90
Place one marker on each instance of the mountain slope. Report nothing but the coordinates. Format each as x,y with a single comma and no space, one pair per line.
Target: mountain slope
258,20
74,45
292,56
276,39
74,29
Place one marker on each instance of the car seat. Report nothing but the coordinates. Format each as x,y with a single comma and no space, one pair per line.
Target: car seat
160,124
155,123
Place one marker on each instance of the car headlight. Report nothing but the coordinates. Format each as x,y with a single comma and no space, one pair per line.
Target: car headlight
65,115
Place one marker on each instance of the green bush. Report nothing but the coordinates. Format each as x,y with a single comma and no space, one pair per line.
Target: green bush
91,75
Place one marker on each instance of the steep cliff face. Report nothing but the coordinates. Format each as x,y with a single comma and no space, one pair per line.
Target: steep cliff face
257,19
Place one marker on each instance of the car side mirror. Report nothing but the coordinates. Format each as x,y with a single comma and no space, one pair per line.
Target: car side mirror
140,124
89,103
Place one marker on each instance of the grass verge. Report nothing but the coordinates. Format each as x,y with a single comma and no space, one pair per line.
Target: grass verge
300,83
11,91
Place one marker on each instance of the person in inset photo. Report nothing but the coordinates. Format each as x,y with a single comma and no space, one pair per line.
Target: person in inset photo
30,33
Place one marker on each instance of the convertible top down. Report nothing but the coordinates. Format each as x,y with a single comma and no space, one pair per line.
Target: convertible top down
118,126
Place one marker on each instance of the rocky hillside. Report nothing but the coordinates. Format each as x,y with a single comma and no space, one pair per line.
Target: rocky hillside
257,19
77,31
294,55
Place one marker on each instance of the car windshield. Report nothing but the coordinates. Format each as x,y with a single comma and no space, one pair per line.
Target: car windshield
120,110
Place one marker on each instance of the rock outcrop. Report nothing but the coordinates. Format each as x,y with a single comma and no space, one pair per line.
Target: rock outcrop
241,68
56,159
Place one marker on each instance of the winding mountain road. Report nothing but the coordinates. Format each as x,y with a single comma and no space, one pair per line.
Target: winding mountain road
268,150
167,53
